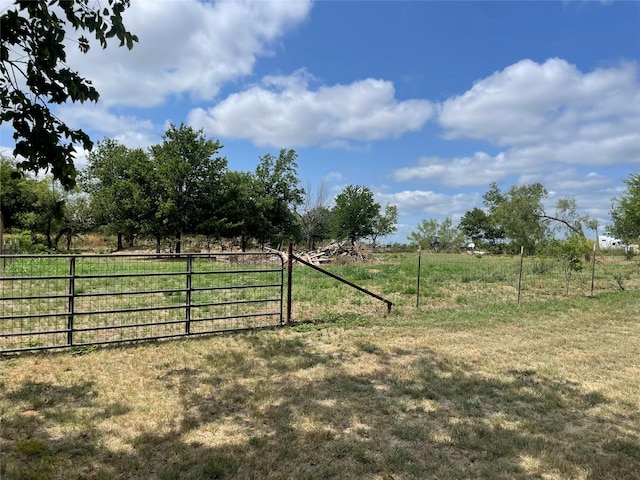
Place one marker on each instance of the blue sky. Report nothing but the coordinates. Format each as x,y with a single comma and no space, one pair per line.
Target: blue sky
426,103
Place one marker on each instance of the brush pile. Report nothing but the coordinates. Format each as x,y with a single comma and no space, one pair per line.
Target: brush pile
334,253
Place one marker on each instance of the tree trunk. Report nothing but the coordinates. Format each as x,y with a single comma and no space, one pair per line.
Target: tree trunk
179,242
48,235
130,239
57,238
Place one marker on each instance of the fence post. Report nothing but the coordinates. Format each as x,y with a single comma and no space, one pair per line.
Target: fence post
520,275
593,268
418,289
187,324
289,277
72,294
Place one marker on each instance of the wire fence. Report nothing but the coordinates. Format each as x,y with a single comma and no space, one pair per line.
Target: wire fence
56,301
438,281
469,278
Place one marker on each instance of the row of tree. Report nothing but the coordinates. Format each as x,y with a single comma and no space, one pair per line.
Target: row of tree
183,186
171,190
517,218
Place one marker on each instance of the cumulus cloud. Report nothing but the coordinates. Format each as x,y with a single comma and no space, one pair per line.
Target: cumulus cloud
547,115
126,129
286,110
553,102
186,47
428,204
477,170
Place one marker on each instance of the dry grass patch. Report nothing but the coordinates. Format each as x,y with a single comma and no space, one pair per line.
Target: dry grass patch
542,391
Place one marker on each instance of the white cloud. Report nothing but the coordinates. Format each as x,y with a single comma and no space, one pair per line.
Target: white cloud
428,204
128,130
478,170
529,163
551,102
285,111
186,47
550,118
6,152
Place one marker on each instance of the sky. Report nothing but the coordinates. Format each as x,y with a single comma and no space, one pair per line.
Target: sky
425,103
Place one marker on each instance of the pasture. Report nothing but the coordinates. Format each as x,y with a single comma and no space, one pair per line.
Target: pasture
468,385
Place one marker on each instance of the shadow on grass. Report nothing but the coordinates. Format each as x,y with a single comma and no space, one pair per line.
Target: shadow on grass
278,410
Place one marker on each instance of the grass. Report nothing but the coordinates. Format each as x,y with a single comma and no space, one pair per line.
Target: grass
468,386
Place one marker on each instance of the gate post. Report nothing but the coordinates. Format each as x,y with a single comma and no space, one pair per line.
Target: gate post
72,294
187,324
289,276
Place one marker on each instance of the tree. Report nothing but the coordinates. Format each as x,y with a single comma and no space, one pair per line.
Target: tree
519,213
40,206
449,236
625,212
187,182
117,180
279,195
316,226
46,215
385,224
424,234
239,216
568,218
570,252
34,75
16,196
480,227
316,216
519,216
76,219
354,214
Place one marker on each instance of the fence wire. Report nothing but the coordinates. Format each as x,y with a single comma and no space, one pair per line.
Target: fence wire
51,301
453,281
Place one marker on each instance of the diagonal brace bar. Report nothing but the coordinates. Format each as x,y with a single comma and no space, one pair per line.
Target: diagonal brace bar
357,287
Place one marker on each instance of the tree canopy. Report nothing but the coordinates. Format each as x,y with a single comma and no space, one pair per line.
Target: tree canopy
385,223
625,211
449,235
519,212
480,227
117,181
278,196
188,176
316,217
354,214
34,75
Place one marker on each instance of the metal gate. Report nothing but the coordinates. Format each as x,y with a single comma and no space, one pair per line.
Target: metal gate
58,301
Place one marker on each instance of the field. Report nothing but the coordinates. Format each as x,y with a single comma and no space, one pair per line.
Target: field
470,384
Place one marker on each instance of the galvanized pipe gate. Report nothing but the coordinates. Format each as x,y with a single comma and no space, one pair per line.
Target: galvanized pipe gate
62,301
58,301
